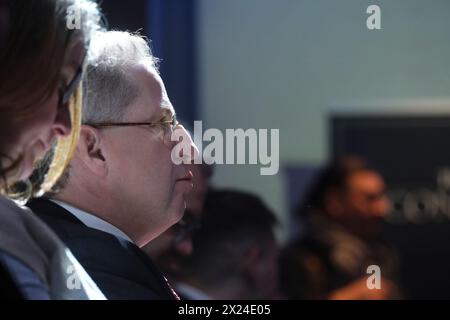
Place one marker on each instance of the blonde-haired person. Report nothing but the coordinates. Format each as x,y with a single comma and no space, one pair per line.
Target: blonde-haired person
43,44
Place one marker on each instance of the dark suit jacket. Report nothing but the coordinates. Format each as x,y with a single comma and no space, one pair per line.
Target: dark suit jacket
119,268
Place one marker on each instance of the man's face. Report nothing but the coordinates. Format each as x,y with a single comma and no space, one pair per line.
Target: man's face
146,183
366,195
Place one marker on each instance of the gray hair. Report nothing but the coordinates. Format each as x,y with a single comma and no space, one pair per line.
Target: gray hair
89,16
108,88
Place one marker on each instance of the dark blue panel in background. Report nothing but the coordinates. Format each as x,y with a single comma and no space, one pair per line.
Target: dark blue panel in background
171,27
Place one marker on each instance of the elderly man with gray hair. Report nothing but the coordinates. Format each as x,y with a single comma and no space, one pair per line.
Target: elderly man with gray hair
122,188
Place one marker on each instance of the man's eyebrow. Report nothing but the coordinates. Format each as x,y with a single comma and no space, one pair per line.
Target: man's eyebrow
167,107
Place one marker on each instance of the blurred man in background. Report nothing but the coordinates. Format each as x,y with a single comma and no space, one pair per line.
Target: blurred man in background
344,214
235,254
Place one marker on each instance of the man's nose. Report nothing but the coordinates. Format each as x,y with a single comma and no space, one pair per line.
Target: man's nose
187,145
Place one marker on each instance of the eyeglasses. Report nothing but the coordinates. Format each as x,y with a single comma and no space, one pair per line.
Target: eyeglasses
167,125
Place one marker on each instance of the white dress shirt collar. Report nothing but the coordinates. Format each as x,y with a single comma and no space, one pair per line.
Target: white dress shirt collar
93,221
191,293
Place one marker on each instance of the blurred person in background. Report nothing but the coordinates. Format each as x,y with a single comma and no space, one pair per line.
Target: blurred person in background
343,213
41,64
173,246
235,251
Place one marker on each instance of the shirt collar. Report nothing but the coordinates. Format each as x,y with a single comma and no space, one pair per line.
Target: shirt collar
190,292
92,221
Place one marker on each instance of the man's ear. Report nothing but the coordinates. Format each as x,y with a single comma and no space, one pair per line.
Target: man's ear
90,150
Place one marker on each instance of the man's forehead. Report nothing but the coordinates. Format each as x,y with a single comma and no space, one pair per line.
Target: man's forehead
165,101
366,180
153,87
165,109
